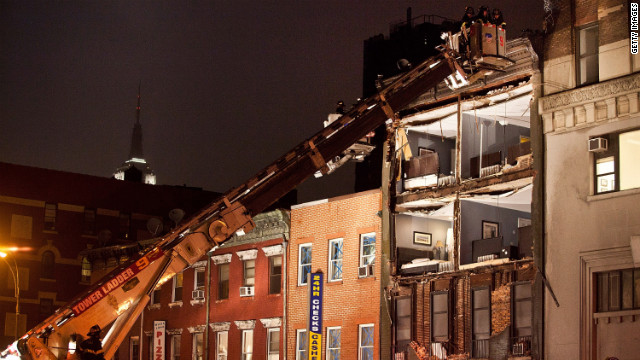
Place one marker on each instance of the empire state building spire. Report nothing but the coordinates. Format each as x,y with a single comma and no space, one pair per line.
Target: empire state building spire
136,169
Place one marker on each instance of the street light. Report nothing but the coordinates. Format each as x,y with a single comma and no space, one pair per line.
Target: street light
16,283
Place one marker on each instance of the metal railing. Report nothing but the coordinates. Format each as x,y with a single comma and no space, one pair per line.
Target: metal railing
521,345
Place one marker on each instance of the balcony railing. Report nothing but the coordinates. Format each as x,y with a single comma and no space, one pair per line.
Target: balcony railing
521,345
481,349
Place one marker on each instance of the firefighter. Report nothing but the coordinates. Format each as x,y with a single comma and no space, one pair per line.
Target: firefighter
497,19
483,16
340,107
91,349
467,19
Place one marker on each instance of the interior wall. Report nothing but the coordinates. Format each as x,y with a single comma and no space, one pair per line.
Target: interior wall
472,215
407,224
434,142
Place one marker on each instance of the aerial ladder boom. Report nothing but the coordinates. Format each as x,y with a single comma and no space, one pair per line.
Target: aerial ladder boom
119,298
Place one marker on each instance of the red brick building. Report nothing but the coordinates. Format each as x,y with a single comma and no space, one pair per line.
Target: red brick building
58,215
241,283
342,238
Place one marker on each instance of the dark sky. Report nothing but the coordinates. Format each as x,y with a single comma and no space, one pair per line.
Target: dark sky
227,86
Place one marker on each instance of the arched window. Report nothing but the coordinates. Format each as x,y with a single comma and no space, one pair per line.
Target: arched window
48,264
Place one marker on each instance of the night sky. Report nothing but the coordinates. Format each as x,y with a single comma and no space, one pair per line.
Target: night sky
227,86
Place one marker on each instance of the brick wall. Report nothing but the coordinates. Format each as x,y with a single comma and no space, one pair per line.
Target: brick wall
352,301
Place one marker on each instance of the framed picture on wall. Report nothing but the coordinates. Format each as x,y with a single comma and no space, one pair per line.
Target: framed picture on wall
490,229
424,151
421,238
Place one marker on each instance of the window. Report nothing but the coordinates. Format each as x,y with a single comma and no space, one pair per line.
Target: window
223,281
89,223
481,321
367,249
50,211
197,346
365,342
10,324
151,347
522,315
301,344
304,263
134,348
86,270
249,273
403,323
616,168
177,288
335,260
46,307
175,347
275,274
48,265
587,55
198,279
155,296
333,343
439,316
124,226
618,290
222,342
247,344
273,344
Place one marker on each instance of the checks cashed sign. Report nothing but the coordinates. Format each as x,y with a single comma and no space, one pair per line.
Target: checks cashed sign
115,282
315,316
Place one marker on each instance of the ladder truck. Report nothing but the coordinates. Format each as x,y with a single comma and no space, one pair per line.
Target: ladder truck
116,301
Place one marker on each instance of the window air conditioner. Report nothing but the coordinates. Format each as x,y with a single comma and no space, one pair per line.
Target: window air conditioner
598,144
197,294
246,291
364,271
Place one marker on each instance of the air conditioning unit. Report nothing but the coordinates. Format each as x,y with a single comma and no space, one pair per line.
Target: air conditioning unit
365,271
197,294
598,144
246,291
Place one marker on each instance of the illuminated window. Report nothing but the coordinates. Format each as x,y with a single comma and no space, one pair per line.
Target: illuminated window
301,344
273,344
222,344
177,288
304,263
335,260
223,281
365,342
617,167
50,211
275,274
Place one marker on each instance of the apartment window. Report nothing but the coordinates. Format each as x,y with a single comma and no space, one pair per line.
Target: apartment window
177,288
155,296
616,168
223,281
222,344
86,270
335,260
89,223
440,316
365,342
273,344
46,307
247,344
50,211
134,348
521,319
48,265
481,321
304,263
275,274
197,346
175,347
301,344
587,55
198,279
249,273
403,323
367,249
124,226
618,290
151,347
333,343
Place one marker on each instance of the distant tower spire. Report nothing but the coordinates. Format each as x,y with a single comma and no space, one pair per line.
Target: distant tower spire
136,168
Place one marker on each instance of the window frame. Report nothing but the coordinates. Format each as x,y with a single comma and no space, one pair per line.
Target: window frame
362,257
361,327
50,216
248,281
613,151
438,338
175,343
578,57
301,266
220,356
246,355
222,289
603,279
331,273
194,344
269,350
514,301
134,341
329,348
273,276
399,346
473,311
196,271
302,353
175,289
